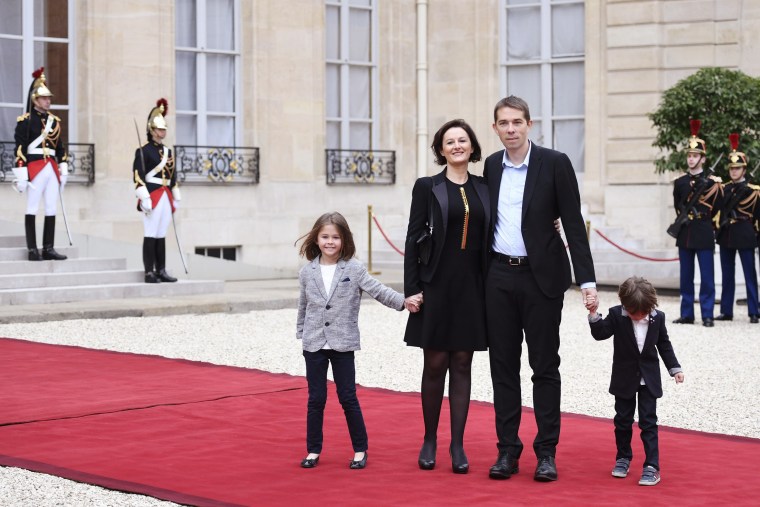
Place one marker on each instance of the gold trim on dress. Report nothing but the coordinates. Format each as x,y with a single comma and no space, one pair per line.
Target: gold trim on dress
466,217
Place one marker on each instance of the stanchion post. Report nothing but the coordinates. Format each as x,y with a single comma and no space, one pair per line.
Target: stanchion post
369,242
588,230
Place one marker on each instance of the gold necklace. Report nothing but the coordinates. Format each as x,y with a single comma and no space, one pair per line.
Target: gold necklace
466,217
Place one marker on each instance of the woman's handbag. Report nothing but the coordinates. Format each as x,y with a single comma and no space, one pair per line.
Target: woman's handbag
425,241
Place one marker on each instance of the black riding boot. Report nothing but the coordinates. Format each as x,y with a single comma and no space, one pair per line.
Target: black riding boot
48,238
161,261
149,260
31,238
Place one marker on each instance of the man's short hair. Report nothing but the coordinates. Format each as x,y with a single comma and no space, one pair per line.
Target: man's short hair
514,103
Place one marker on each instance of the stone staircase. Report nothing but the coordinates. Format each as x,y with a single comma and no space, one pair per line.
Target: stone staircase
80,279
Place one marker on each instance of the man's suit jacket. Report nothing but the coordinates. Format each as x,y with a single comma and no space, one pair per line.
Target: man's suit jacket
629,365
551,192
425,189
334,318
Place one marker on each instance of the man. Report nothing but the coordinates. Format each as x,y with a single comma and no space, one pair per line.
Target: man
736,233
528,275
158,193
41,167
696,237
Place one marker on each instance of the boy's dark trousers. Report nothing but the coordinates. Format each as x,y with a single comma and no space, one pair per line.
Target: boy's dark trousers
344,374
624,410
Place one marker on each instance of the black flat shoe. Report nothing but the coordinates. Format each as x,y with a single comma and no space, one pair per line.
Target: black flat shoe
426,460
311,462
753,319
546,469
684,320
708,323
459,465
358,465
724,317
165,277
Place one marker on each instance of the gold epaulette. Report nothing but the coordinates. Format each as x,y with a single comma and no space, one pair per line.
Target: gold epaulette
716,179
753,186
22,117
55,117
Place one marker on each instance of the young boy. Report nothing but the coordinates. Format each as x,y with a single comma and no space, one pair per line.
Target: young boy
639,334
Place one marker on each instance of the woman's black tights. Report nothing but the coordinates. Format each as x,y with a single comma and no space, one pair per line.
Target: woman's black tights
459,365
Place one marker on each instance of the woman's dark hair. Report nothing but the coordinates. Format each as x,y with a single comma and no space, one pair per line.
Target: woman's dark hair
310,248
437,145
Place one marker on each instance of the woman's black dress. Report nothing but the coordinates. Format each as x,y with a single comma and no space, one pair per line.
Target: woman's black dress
452,316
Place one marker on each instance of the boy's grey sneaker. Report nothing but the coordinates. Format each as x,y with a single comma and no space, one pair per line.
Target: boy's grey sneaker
621,467
650,476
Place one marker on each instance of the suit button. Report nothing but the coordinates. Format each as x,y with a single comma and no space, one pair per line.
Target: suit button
327,323
327,307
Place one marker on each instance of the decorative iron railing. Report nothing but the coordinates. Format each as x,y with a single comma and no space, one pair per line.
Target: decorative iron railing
362,167
81,162
208,165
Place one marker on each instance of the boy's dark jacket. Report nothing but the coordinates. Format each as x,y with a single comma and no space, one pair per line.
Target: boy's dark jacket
628,365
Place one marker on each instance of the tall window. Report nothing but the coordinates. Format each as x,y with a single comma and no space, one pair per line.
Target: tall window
542,53
33,34
207,66
351,73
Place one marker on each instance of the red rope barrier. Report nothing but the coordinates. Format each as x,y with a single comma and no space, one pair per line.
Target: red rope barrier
608,240
385,236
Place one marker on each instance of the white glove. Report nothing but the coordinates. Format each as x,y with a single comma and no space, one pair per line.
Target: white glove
145,203
175,202
63,168
22,179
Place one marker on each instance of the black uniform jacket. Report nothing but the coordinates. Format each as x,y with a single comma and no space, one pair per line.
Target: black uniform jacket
628,364
698,233
158,174
551,192
38,140
425,189
739,232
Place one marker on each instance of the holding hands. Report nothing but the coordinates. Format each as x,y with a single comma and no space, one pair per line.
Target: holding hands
590,300
413,303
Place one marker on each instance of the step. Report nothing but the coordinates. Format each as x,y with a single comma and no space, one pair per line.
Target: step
113,291
12,241
67,266
39,280
21,253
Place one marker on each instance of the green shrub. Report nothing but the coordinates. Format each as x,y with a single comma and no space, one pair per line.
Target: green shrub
725,101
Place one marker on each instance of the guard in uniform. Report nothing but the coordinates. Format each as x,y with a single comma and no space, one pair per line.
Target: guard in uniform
736,233
697,238
41,166
157,193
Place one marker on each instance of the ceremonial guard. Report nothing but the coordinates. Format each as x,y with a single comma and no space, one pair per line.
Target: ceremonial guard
157,193
697,195
736,233
41,166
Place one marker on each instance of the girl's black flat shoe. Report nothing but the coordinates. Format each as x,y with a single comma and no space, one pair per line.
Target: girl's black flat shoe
309,462
357,465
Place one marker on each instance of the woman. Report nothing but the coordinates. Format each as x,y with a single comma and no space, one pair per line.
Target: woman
450,325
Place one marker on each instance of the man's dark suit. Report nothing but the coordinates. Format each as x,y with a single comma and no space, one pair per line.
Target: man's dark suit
530,298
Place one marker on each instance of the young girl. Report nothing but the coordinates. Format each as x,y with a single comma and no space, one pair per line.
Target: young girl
328,310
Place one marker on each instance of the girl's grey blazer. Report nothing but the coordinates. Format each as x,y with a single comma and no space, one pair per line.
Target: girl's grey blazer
333,318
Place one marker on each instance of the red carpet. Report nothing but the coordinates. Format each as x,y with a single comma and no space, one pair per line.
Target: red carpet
212,435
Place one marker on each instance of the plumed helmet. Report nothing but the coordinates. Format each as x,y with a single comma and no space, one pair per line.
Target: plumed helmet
38,88
695,144
736,158
156,117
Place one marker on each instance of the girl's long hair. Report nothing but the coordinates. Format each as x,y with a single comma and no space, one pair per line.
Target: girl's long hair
309,247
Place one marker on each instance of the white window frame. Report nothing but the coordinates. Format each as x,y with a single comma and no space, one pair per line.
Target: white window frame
28,39
201,112
345,65
546,62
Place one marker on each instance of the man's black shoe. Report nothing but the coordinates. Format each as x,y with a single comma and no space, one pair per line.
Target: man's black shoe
753,319
546,469
708,323
506,465
684,320
724,317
